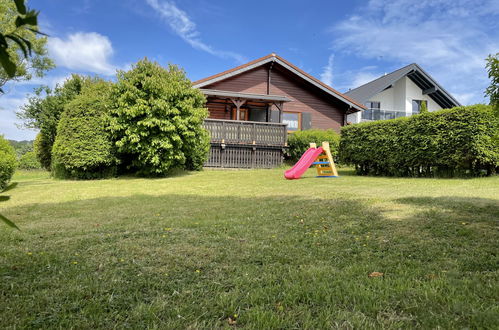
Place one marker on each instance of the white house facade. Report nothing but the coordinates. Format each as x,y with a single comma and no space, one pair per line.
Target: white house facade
399,94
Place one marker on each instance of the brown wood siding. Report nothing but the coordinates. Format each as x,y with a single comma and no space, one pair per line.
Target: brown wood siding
327,112
217,109
253,81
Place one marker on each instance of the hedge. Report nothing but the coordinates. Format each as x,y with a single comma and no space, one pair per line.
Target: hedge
83,148
299,141
452,142
8,162
29,161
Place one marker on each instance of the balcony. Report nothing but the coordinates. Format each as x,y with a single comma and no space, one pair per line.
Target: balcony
381,114
245,144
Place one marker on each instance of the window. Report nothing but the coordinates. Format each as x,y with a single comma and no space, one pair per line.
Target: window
372,112
373,105
292,119
416,105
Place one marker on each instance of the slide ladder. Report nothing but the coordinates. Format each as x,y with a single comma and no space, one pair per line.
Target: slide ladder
324,162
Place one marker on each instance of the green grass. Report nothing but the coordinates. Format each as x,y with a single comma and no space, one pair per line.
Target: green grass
192,251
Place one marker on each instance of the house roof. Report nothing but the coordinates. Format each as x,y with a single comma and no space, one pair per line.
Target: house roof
290,67
247,96
422,79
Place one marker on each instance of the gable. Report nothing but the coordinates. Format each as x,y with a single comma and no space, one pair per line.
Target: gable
256,73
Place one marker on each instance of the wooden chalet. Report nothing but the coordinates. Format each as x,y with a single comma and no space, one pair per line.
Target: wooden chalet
253,107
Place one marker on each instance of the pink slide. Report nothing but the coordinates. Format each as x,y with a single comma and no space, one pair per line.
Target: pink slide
303,164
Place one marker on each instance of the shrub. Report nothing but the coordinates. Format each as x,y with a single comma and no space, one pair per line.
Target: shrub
43,150
157,120
299,141
457,141
8,162
83,148
43,112
28,161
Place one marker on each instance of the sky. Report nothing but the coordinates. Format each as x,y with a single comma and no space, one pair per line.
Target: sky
343,43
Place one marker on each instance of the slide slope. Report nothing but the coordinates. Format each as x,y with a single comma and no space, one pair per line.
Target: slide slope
303,164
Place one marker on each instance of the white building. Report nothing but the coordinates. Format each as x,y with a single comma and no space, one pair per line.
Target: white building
399,94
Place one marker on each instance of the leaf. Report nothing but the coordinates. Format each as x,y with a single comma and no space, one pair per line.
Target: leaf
8,222
31,18
376,274
7,64
21,7
231,321
20,43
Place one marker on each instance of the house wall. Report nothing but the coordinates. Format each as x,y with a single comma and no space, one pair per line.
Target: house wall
326,111
415,93
399,98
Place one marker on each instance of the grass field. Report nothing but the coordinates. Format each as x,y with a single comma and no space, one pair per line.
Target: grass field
250,249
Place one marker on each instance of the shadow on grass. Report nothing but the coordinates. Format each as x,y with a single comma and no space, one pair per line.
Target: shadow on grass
473,208
278,261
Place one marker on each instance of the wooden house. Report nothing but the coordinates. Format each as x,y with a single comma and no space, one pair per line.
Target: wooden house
253,107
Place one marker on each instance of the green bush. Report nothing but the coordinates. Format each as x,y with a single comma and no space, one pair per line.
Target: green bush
299,141
8,162
157,120
451,142
83,148
29,161
43,112
43,150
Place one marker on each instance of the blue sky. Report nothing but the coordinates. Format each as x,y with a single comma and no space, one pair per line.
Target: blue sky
343,43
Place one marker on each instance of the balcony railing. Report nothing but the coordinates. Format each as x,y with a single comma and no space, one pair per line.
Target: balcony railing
381,114
246,132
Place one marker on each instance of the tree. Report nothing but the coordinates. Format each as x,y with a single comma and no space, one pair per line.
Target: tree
493,90
83,148
156,120
8,162
43,112
22,47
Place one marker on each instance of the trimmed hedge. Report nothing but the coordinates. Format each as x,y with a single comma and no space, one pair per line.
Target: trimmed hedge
299,141
83,148
8,162
452,142
29,161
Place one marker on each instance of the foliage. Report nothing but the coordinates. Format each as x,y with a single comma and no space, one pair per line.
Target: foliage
83,148
8,162
493,90
22,47
299,141
28,161
44,110
424,107
43,150
21,147
457,141
157,119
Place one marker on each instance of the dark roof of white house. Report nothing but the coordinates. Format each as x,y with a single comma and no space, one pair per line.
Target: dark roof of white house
414,72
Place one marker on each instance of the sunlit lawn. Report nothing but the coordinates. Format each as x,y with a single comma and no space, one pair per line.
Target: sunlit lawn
250,249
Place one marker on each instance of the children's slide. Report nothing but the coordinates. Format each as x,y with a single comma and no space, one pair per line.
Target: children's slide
303,164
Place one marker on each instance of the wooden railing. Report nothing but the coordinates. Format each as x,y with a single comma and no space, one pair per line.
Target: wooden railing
246,132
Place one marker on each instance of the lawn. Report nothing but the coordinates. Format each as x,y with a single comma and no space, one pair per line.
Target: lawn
250,249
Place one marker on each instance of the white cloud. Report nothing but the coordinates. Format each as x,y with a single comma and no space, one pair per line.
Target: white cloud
8,120
362,77
327,73
448,38
184,27
90,52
